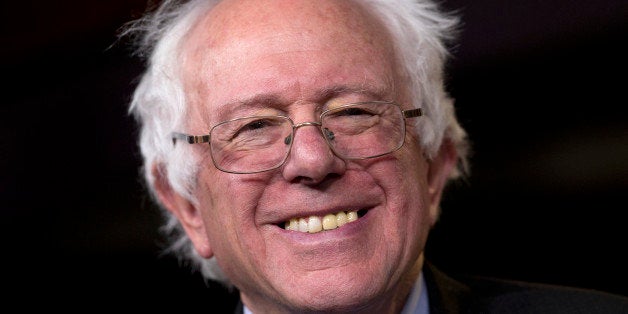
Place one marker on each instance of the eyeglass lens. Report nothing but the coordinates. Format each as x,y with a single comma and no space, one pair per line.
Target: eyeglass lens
356,131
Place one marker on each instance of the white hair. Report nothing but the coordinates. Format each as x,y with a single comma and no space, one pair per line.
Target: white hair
420,33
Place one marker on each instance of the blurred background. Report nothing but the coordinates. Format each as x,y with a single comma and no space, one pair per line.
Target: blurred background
539,85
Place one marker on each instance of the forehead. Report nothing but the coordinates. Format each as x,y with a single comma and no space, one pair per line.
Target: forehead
239,20
243,48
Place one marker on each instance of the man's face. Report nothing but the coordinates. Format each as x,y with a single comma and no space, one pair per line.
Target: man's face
297,58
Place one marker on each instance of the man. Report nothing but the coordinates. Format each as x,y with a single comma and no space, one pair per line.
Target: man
301,149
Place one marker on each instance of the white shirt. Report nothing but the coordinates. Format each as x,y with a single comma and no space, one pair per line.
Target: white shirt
417,302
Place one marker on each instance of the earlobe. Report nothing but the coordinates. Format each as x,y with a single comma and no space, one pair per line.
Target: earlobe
186,212
440,169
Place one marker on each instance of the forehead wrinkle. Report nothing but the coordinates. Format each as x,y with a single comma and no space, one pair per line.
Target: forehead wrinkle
278,99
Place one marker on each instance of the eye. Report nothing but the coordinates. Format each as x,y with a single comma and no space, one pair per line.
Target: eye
251,131
353,111
248,128
351,120
255,125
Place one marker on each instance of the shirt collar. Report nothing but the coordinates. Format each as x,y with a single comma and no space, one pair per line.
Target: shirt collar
417,302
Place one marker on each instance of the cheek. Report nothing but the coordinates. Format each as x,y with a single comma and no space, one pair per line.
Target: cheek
405,221
404,180
415,189
403,176
218,207
228,204
414,218
221,217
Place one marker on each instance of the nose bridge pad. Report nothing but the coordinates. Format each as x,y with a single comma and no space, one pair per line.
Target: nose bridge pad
327,134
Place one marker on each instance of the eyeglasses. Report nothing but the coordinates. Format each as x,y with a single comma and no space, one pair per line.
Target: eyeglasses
261,143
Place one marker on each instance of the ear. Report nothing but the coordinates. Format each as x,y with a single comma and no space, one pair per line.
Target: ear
440,168
186,212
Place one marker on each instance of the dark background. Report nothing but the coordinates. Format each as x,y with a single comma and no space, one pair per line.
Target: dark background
540,87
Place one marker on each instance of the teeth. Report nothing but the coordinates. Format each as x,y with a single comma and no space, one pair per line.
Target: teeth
303,226
294,224
314,224
352,216
341,219
329,222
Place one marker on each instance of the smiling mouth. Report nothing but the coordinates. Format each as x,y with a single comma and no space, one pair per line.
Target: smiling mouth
315,224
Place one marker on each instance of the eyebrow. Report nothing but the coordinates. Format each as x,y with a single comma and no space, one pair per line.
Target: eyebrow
256,101
263,100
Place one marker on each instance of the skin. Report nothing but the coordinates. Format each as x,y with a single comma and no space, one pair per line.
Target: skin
298,58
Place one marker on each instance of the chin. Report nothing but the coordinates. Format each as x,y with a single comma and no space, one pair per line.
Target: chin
332,292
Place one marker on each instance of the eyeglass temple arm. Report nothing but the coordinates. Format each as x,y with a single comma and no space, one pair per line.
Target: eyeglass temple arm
190,139
412,113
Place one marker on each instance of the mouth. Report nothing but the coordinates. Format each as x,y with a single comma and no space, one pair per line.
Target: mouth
316,224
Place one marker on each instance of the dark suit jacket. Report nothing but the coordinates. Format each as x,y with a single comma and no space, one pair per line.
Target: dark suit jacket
485,295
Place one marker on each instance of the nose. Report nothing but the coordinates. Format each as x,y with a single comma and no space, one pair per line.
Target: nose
311,160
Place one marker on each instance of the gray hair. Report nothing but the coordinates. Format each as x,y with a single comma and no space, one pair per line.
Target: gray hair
420,33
